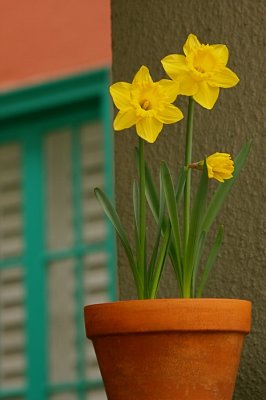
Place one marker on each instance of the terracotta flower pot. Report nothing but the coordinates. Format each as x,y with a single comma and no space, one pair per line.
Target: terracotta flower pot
169,349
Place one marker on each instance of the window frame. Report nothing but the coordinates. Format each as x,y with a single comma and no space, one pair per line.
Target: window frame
25,114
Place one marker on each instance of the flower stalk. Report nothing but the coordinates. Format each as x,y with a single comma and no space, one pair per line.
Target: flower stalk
142,216
188,158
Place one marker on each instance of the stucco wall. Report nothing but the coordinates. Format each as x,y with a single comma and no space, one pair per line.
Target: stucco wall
143,32
40,40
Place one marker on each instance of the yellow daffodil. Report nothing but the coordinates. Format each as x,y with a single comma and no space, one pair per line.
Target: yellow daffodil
220,166
146,104
201,71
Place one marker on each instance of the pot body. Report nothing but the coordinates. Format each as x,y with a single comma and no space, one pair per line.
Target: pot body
169,349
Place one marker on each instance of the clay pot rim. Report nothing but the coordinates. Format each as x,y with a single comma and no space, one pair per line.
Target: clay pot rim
167,315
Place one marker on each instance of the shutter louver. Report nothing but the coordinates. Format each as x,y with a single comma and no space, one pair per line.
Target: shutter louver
92,163
10,201
12,308
12,321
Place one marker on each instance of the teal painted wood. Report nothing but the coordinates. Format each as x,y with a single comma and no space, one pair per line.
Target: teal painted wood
27,115
33,210
49,95
85,110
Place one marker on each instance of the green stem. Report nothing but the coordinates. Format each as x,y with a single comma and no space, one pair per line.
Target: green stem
186,292
188,157
142,216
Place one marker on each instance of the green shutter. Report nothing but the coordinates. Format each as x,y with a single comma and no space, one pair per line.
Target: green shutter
57,250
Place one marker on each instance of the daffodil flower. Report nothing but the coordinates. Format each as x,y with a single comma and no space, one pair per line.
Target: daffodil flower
220,166
201,72
146,104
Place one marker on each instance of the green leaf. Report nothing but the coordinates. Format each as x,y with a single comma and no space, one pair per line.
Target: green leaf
152,197
211,260
159,233
160,261
170,199
181,181
136,219
115,220
198,255
225,188
195,229
151,191
136,204
182,177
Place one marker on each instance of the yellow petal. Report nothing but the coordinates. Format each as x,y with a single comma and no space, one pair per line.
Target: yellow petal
210,171
142,76
175,65
125,119
192,43
221,53
206,95
187,85
170,88
218,177
169,114
149,128
120,93
224,78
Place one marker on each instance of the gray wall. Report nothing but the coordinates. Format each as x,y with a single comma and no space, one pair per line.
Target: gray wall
143,32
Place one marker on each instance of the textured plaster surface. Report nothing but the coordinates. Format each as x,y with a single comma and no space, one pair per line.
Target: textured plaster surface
43,40
143,32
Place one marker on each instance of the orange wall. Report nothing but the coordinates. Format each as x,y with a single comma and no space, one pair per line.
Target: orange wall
44,39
